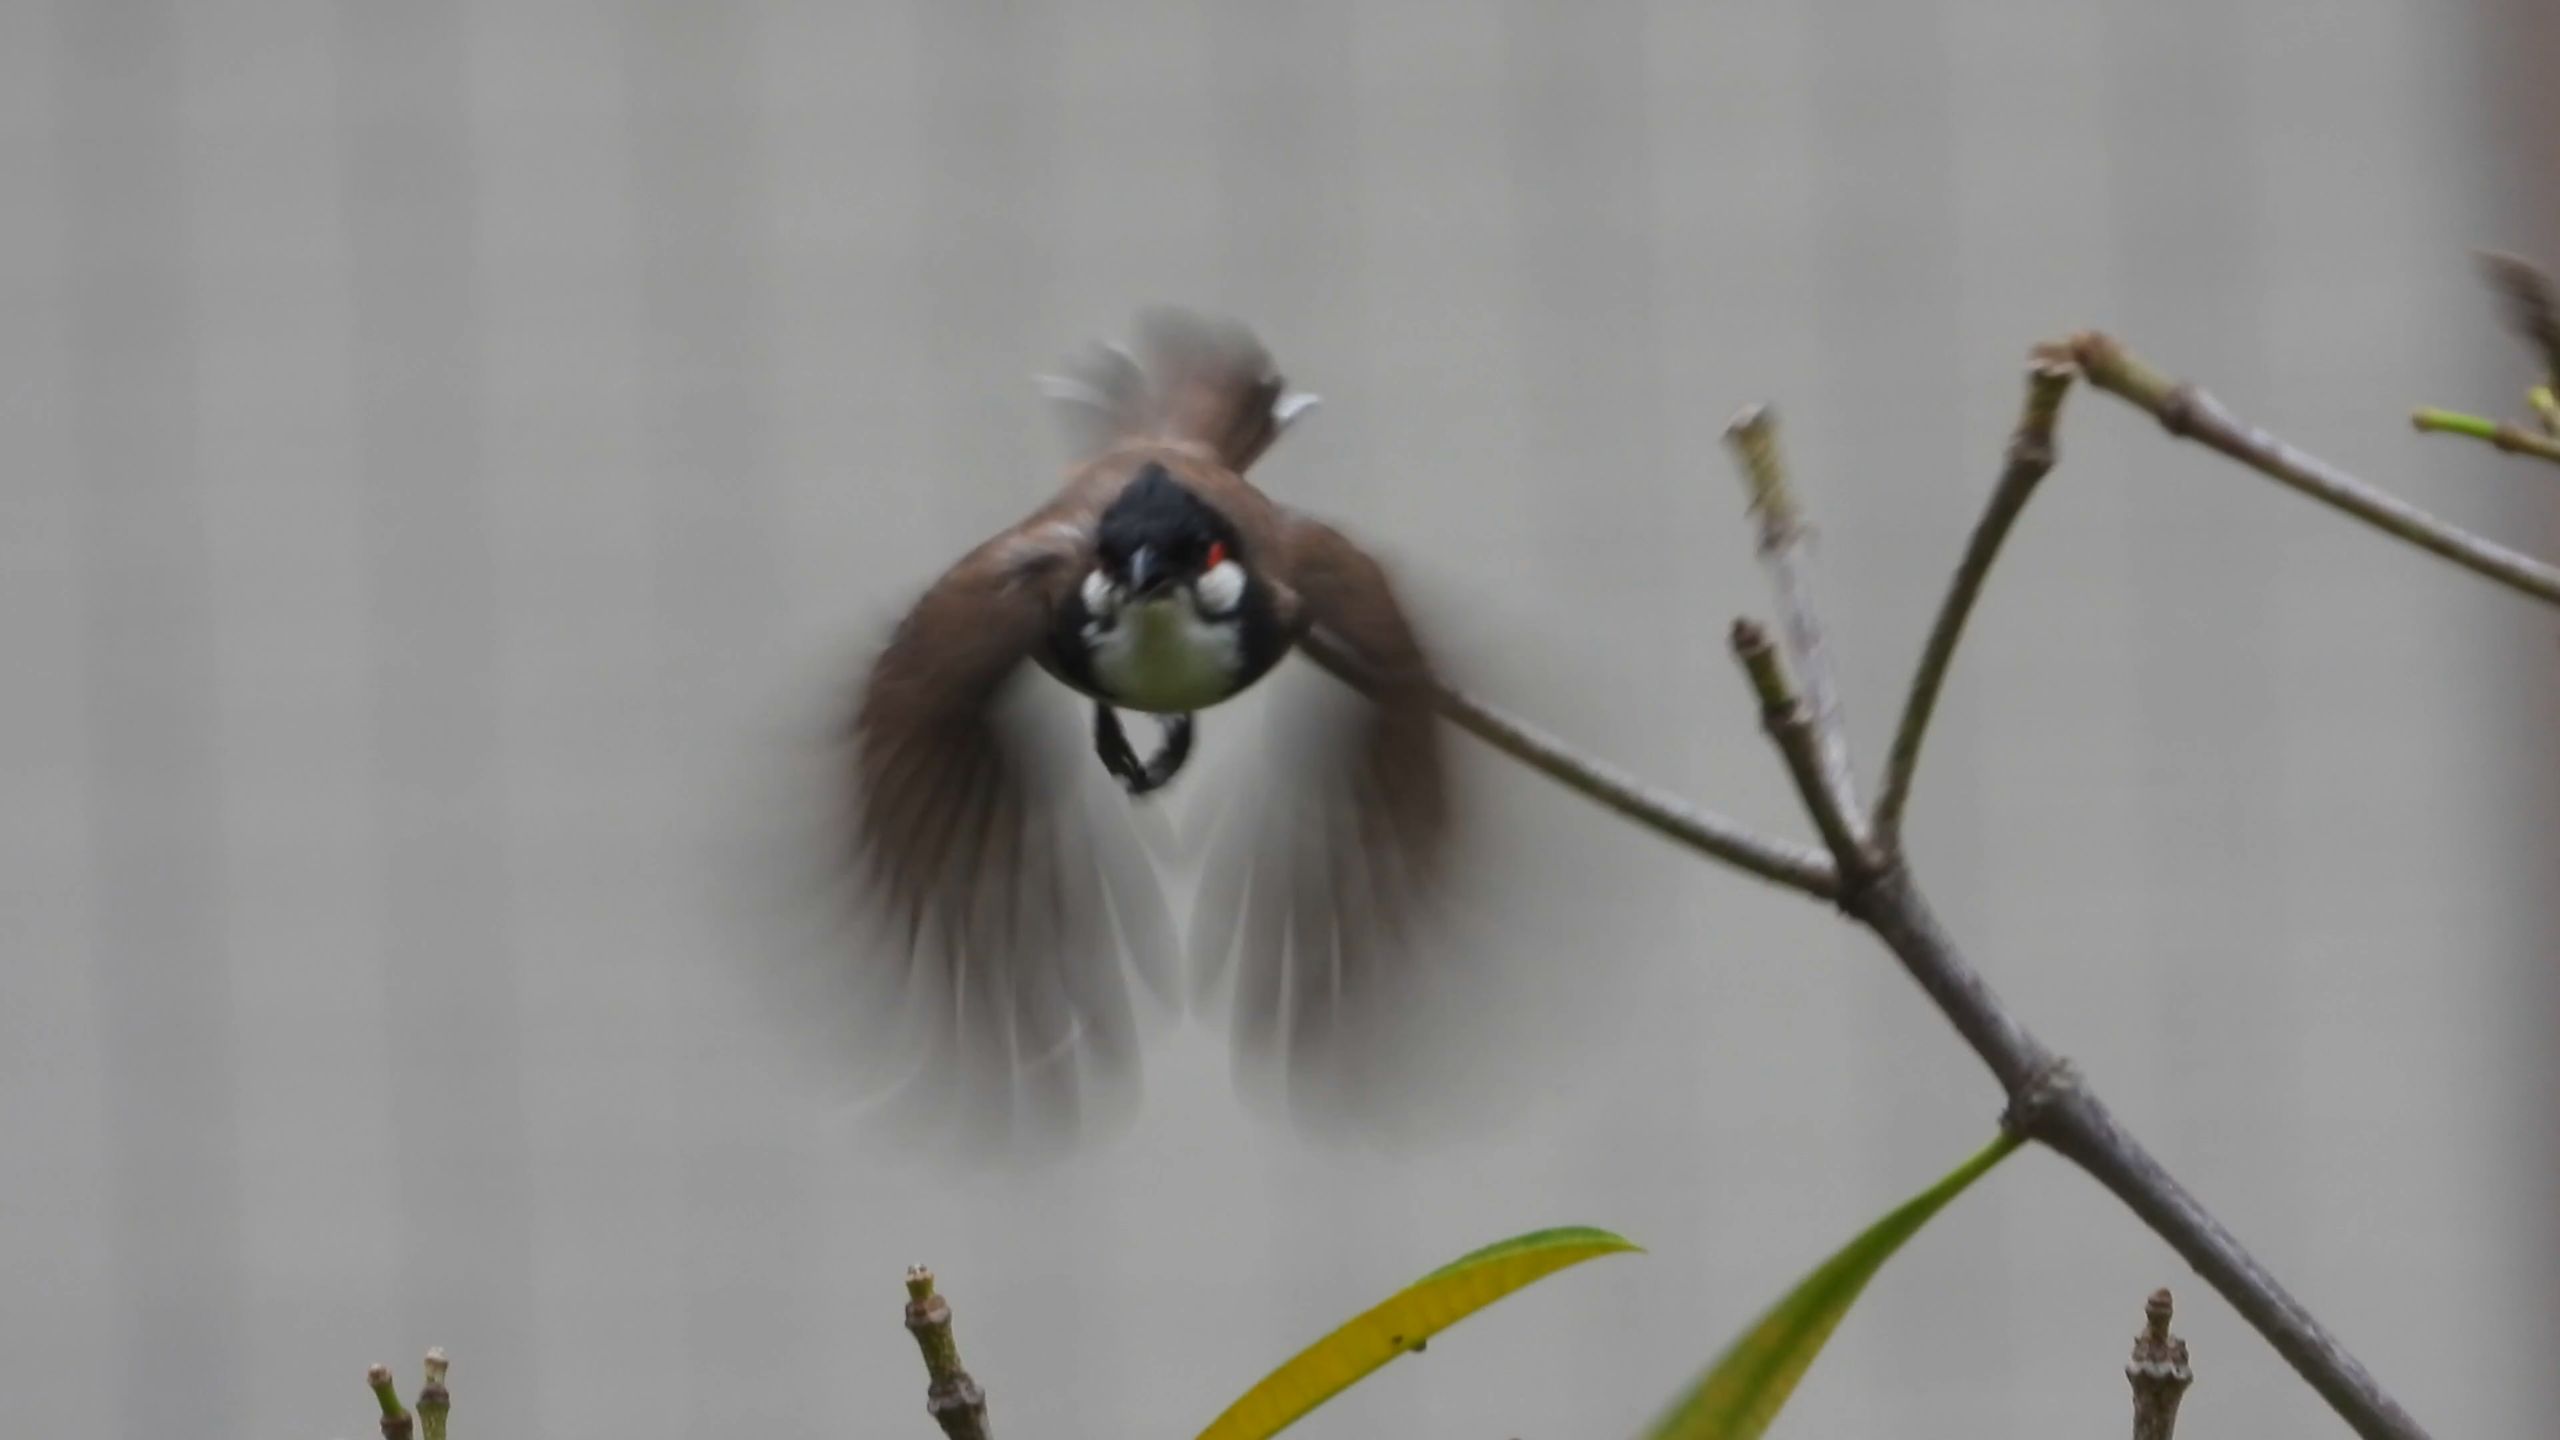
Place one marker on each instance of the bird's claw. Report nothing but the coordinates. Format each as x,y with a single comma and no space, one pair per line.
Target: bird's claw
1137,776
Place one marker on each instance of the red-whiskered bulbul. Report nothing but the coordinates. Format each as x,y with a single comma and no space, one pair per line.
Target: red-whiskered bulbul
1157,579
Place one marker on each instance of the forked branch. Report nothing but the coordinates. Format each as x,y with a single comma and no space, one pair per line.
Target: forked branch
1865,873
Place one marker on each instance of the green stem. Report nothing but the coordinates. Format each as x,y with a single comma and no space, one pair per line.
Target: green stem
2514,439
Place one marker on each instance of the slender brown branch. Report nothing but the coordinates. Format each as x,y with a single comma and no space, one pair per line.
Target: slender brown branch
1789,722
952,1398
2190,413
2158,1372
1784,538
2511,438
1796,866
2031,455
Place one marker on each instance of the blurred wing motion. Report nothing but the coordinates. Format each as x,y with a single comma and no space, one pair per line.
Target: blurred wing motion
999,908
1317,887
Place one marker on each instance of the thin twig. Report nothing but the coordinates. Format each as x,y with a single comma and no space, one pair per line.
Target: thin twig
1784,537
396,1421
2158,1372
2031,455
1796,866
952,1398
2190,413
1789,722
2512,438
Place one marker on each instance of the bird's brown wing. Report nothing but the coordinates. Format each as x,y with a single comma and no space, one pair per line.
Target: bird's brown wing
1002,910
1316,890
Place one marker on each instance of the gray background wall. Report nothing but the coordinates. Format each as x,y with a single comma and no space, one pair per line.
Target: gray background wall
439,441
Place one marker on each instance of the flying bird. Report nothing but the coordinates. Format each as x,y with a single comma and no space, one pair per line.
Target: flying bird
1157,580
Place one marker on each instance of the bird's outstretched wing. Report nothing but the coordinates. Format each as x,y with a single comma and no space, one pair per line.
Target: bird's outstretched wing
1002,912
1316,890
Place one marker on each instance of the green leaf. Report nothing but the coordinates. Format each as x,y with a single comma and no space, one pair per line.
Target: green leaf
1742,1392
1401,1323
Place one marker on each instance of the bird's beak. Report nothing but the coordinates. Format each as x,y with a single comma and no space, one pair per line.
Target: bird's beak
1146,572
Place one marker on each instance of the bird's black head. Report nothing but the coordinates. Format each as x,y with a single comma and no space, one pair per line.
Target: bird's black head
1158,534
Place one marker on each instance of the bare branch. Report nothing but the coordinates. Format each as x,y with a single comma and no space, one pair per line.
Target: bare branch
2047,1101
1790,723
953,1399
2031,455
1794,866
2159,1373
2190,413
1753,435
2514,439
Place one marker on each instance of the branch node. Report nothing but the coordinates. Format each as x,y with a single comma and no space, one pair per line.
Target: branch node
2158,1372
2045,1091
2178,410
1759,657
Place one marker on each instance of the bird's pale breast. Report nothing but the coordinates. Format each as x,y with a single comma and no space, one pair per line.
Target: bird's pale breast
1164,656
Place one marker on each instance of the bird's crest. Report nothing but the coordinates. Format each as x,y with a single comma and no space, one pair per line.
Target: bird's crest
1192,380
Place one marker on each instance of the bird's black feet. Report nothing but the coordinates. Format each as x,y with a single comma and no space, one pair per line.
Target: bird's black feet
1121,759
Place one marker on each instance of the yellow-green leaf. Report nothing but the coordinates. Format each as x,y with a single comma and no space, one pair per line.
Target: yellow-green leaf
1401,1323
1741,1393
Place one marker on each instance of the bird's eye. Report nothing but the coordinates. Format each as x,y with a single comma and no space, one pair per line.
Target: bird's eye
1217,555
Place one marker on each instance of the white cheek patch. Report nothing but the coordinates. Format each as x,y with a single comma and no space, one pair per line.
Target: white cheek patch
1101,597
1221,589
